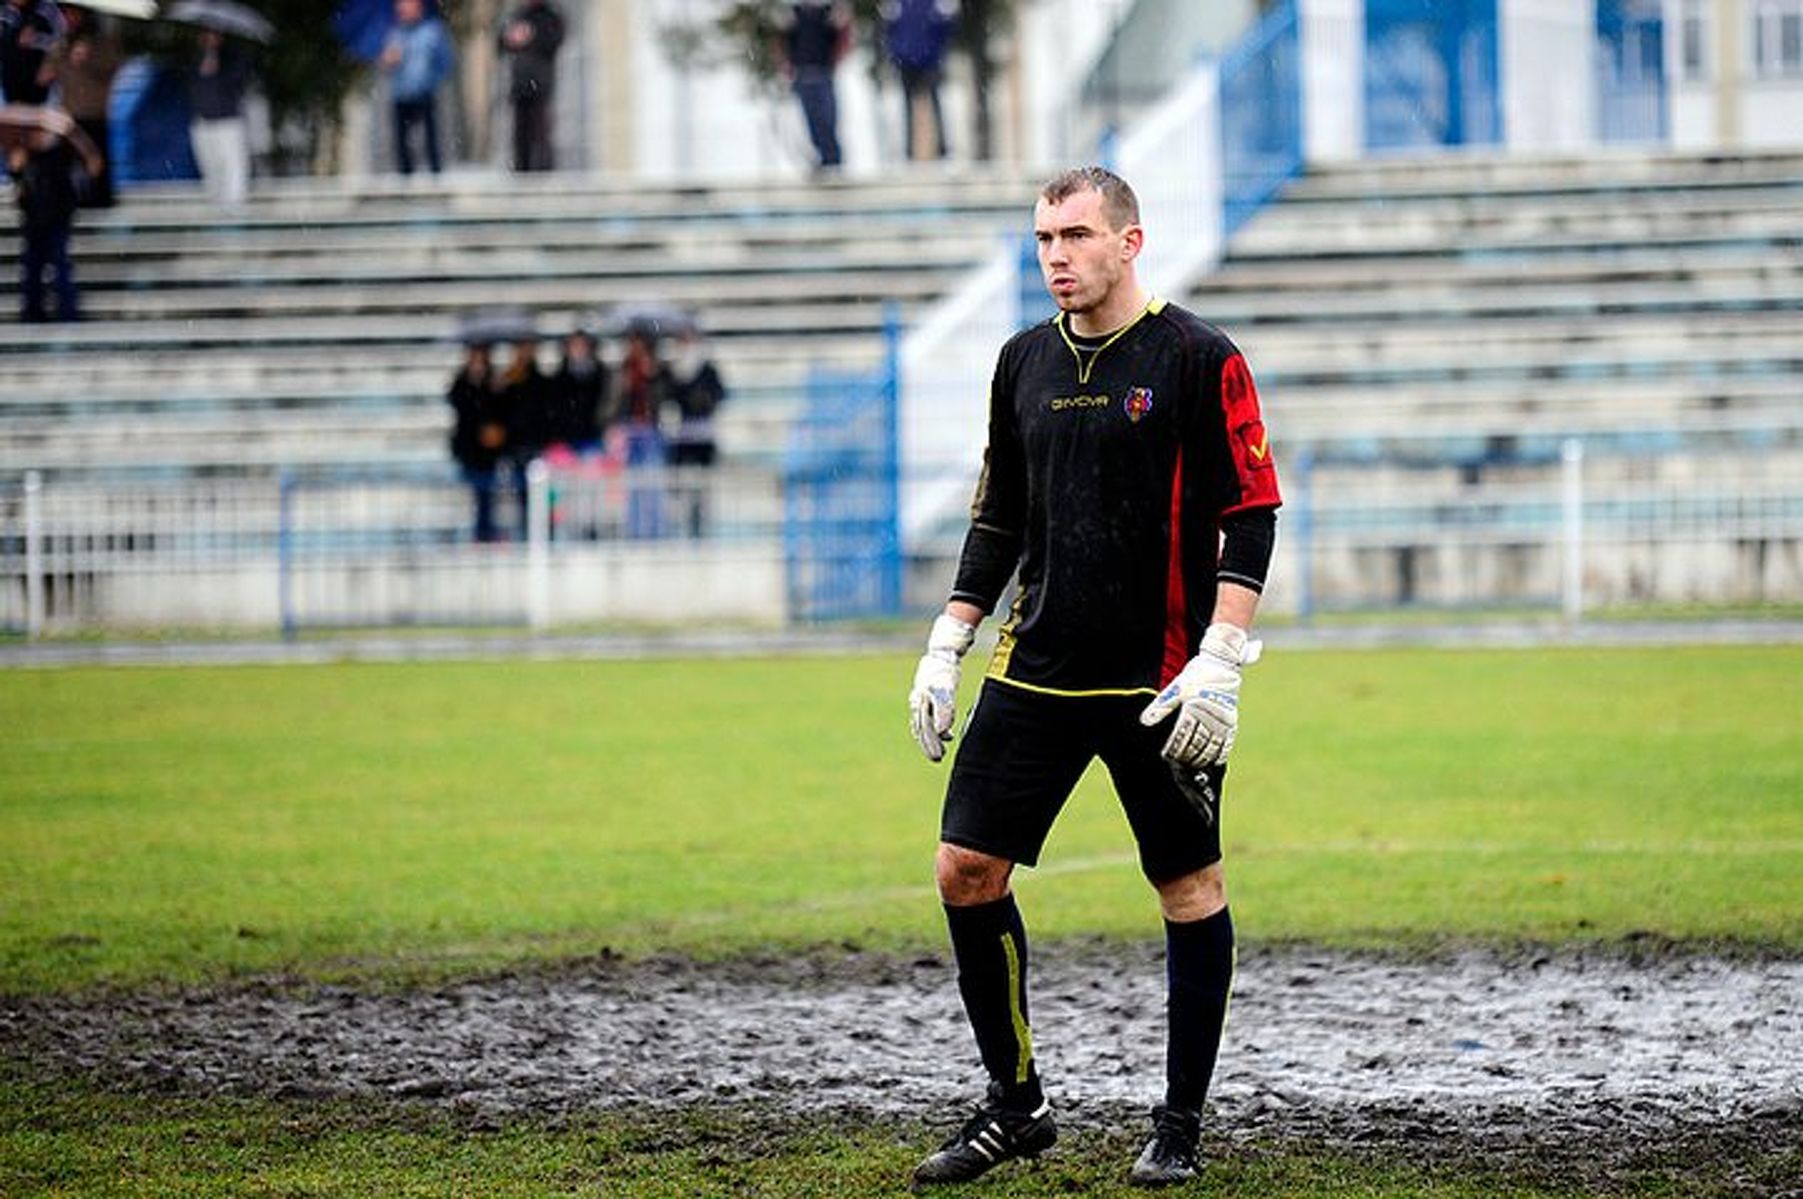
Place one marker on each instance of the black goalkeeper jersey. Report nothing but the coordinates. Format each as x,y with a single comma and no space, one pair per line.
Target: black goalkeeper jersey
1105,480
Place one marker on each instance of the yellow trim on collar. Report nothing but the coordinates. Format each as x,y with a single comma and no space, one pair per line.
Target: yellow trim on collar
1153,307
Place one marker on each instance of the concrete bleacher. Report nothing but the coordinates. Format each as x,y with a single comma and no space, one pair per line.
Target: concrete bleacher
1483,296
1429,333
1465,297
315,327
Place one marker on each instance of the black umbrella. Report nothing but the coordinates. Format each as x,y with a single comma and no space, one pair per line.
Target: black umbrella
654,320
500,325
224,16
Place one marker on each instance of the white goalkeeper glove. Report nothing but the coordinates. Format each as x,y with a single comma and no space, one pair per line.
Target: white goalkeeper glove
1206,697
933,703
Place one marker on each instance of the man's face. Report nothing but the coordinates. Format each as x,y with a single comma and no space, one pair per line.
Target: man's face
407,12
1082,257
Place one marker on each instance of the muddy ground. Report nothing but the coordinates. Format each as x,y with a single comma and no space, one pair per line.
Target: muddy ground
1590,1058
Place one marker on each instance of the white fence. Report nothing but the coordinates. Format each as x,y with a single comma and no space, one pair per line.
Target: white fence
1607,529
1578,533
263,553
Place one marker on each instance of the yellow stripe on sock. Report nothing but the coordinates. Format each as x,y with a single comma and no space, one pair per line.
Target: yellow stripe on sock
1023,1035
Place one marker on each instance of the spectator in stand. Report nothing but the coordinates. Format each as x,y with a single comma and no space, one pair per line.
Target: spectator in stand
916,34
31,32
579,393
530,38
220,134
417,57
478,436
84,66
525,405
697,392
47,183
815,35
641,388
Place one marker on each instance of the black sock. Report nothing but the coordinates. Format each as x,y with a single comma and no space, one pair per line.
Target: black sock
1199,973
990,943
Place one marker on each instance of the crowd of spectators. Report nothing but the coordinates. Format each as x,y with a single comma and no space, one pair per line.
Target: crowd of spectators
651,407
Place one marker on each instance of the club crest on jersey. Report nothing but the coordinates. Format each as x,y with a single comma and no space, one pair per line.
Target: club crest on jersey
1137,403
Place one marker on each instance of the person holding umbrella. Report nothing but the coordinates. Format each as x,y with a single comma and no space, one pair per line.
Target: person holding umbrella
477,434
45,151
216,85
221,136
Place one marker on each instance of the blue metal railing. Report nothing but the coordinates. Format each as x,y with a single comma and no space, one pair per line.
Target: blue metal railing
1261,115
1432,74
842,497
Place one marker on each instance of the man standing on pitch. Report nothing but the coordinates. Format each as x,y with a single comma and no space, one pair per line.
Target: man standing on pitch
1128,477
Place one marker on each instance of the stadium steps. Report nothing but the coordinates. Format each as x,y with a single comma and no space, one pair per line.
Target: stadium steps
1471,296
1462,297
1597,169
274,333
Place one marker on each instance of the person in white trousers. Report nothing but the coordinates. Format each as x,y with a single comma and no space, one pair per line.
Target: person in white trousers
218,130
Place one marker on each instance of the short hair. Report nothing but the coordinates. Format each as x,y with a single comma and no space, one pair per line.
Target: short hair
1119,204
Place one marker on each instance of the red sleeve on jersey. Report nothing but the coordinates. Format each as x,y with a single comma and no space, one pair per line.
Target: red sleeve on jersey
1247,439
1177,647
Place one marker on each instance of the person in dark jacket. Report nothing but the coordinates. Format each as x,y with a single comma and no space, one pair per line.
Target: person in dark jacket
477,436
524,399
815,36
696,391
916,34
579,393
31,33
530,39
49,170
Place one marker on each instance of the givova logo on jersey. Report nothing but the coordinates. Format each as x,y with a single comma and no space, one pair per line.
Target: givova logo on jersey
1136,404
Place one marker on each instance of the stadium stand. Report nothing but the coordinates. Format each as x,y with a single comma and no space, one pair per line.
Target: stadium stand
1419,327
316,328
1429,333
1501,296
1476,297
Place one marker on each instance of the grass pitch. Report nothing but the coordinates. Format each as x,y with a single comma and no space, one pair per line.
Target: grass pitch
187,824
399,822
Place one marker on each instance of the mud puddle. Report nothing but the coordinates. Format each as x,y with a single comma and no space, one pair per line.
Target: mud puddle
1604,1050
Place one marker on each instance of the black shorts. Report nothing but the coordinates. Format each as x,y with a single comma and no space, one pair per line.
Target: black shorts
1022,753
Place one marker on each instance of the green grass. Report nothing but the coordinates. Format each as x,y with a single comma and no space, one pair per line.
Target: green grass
396,821
188,824
68,1140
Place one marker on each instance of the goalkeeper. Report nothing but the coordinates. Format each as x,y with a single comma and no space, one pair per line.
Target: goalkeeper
1128,479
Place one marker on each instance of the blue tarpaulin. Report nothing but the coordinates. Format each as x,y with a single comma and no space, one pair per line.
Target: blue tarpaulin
363,25
148,125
